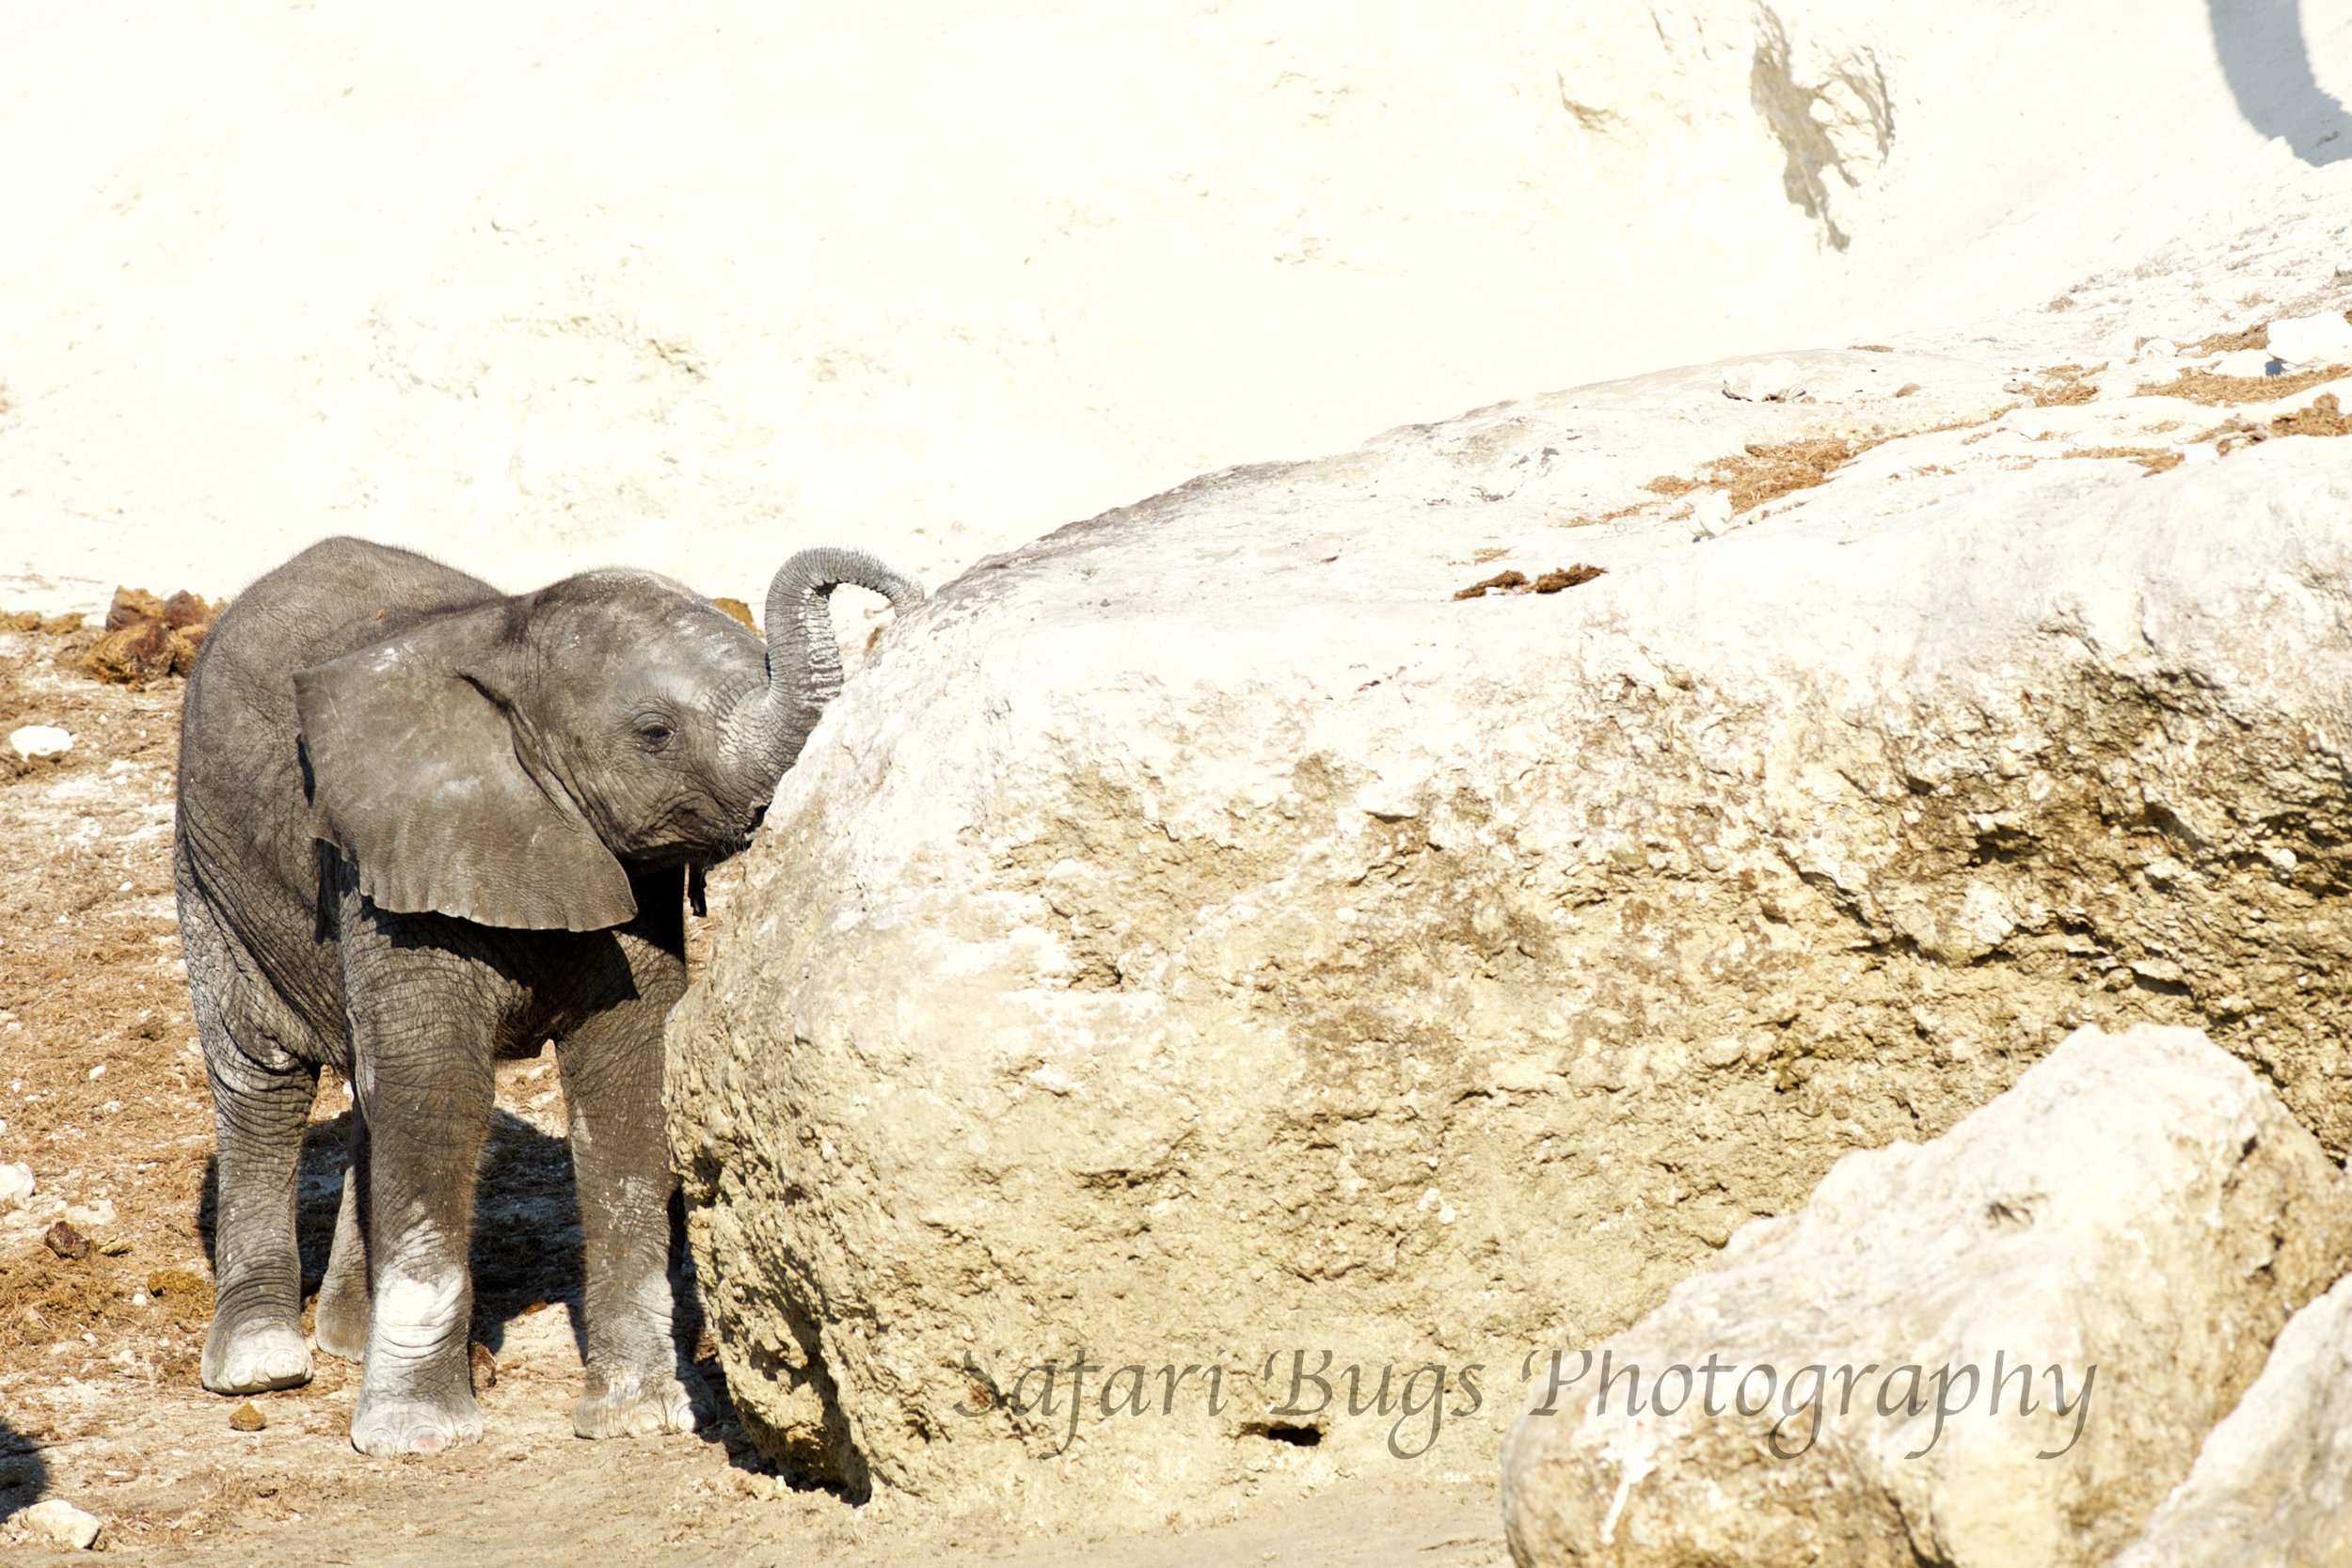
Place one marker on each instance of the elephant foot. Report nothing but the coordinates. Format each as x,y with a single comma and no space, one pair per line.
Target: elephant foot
254,1357
384,1426
340,1327
626,1404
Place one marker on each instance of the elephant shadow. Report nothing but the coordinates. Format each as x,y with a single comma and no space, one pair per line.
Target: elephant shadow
24,1474
526,1250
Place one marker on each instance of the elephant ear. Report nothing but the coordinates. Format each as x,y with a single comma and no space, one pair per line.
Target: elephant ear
414,774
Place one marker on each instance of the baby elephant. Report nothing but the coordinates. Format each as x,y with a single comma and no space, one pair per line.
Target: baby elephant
424,825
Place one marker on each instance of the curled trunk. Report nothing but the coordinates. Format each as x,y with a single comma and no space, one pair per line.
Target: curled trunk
804,660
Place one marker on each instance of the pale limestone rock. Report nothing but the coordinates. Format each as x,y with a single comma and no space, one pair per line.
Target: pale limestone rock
1198,936
1764,381
35,741
2132,1222
16,1184
91,1217
1711,513
62,1523
2324,339
2273,1483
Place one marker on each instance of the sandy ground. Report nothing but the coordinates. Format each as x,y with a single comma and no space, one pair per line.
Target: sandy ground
554,285
99,1402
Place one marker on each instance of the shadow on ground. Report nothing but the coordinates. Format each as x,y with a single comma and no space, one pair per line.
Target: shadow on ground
2267,64
526,1249
24,1475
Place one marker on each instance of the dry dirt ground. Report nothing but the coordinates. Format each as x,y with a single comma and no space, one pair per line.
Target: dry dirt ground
104,1099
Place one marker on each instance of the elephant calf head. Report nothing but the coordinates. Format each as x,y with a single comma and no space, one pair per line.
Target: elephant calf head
502,763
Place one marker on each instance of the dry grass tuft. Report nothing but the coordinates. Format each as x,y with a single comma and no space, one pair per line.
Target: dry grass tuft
2154,459
2063,387
2226,390
2323,417
1768,471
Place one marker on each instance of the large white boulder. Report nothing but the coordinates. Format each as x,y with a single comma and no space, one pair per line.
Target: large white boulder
1997,1351
1199,939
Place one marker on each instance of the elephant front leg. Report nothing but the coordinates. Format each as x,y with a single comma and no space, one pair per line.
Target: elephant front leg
426,1112
612,1071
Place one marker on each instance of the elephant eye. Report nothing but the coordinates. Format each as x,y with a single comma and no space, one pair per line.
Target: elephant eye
654,733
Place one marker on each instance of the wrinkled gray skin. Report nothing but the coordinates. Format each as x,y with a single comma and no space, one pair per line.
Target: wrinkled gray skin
423,826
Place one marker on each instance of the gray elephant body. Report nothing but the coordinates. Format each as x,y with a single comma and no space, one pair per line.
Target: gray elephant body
423,825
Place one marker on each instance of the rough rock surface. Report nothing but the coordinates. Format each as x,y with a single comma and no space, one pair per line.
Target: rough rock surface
2273,1483
2000,1349
1198,939
62,1523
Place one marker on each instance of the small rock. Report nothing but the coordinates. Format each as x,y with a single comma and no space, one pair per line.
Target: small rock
247,1418
2156,350
485,1367
2246,362
91,1217
16,1186
63,1523
1765,381
35,741
66,1241
1710,514
2322,340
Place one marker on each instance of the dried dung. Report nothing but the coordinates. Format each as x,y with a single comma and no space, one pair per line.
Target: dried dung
131,606
66,1241
184,610
738,609
138,653
148,638
247,1418
186,1284
485,1365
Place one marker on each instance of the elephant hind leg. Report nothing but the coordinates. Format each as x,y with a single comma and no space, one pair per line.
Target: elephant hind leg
342,1323
262,1096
